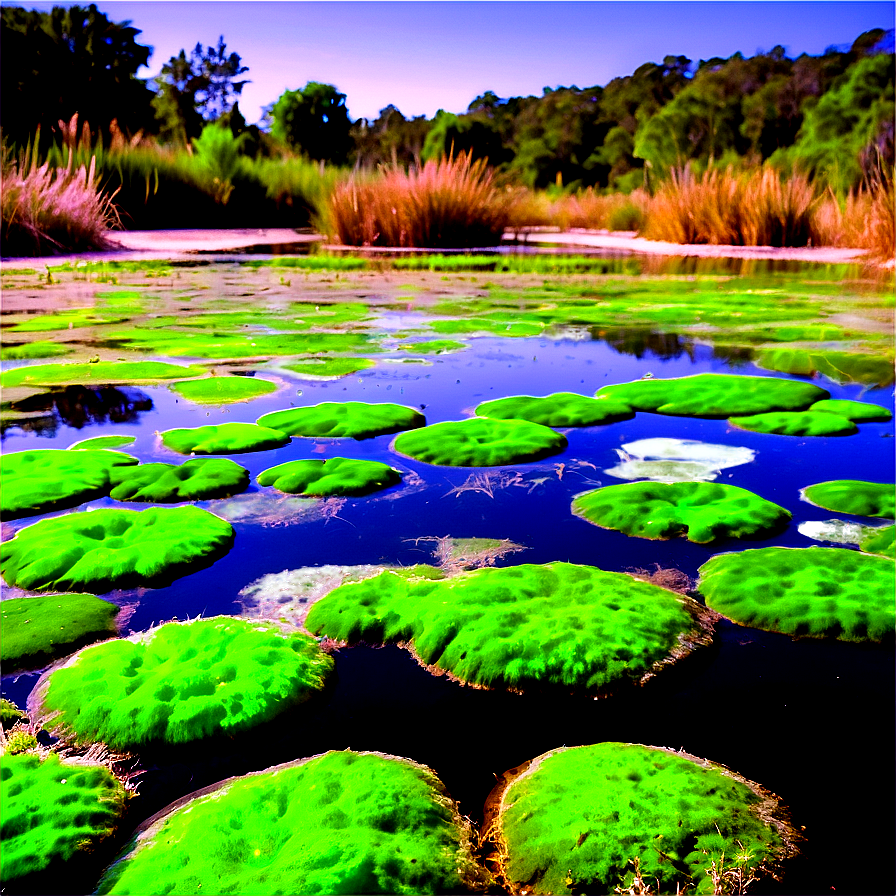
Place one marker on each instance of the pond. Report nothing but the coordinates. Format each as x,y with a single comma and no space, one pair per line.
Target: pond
809,719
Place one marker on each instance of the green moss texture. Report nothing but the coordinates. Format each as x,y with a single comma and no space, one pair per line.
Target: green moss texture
201,479
102,442
40,349
841,367
344,419
101,373
560,409
64,320
857,411
797,423
880,541
556,625
702,511
579,817
36,630
714,395
335,476
816,592
339,823
480,442
225,438
223,389
854,496
52,810
184,681
104,549
45,479
328,368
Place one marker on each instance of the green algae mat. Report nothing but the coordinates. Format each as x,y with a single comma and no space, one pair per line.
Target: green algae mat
342,822
797,423
99,550
102,442
701,511
841,367
53,811
45,479
223,438
714,395
590,819
857,411
328,368
480,442
559,625
201,479
223,389
560,409
101,373
344,419
182,682
814,592
36,630
880,541
335,476
854,496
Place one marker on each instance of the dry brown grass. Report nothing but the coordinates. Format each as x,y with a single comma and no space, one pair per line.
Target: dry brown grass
587,209
865,220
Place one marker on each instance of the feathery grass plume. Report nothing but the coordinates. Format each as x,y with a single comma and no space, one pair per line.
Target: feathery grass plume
777,212
586,208
447,203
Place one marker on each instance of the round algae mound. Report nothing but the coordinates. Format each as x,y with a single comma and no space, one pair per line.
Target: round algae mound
183,681
225,438
200,479
52,811
857,411
100,550
35,630
328,368
480,442
797,423
342,822
854,496
102,442
560,409
103,372
817,592
880,541
714,395
702,511
44,479
344,419
578,819
335,476
528,626
223,389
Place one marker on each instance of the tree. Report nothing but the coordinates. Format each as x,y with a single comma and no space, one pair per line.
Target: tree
391,139
314,121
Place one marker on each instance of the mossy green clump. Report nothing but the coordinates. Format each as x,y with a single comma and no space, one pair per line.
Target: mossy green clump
37,630
99,550
52,811
223,389
486,325
714,395
797,423
701,511
816,592
100,373
45,479
560,409
328,368
334,476
480,442
579,819
224,438
857,411
65,320
853,496
182,682
201,479
880,541
102,442
841,367
529,626
342,822
9,713
27,350
344,419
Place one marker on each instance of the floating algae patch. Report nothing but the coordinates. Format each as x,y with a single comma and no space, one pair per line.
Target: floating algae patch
223,389
36,630
102,372
797,423
841,367
592,819
343,419
196,480
334,476
328,368
102,442
880,540
558,625
45,479
455,554
432,347
714,395
676,460
560,409
853,496
224,438
99,550
53,812
480,442
342,822
857,411
182,682
815,592
65,320
488,326
40,349
701,511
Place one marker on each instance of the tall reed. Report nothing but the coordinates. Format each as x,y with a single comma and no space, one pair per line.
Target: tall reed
863,220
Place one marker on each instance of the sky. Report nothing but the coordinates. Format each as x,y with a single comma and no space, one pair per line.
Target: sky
425,56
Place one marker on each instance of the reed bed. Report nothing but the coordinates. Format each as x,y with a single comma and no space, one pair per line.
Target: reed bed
585,209
864,220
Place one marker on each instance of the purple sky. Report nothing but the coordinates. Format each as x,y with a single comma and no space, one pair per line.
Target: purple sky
423,56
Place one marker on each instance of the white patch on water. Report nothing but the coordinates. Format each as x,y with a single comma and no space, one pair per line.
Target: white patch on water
677,460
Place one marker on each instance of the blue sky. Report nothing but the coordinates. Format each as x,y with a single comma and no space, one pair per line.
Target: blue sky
423,56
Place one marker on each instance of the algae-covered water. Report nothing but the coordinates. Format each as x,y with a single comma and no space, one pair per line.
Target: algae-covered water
809,719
